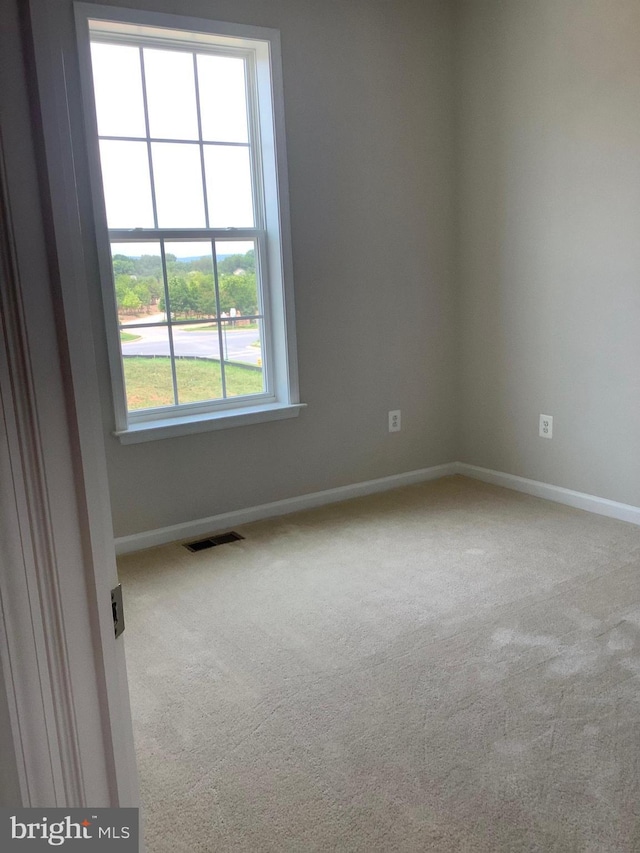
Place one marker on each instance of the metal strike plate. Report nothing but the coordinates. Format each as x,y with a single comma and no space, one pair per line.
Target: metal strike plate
117,609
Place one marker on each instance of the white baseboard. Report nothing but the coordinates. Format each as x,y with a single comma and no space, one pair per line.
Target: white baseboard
579,500
215,523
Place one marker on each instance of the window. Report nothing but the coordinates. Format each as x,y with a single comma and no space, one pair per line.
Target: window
186,147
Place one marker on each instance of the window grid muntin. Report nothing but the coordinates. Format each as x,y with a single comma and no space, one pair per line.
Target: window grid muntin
194,57
260,318
223,378
145,107
168,324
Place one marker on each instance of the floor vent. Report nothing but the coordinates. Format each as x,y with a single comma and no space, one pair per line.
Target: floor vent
212,541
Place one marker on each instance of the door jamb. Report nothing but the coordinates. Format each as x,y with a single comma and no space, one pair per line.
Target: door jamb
64,672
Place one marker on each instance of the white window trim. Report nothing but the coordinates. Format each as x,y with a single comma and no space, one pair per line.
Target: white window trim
282,399
189,424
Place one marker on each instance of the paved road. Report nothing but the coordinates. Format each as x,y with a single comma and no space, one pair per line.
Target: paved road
236,342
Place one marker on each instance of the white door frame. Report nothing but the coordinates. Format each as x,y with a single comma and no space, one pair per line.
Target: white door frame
64,672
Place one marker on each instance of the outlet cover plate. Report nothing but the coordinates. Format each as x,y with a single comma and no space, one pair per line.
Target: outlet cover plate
546,426
395,423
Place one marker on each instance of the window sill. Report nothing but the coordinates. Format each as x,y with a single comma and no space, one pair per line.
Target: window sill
191,424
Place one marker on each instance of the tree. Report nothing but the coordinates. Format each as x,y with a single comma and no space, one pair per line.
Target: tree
131,303
149,265
204,264
183,297
238,291
246,263
138,284
206,295
123,265
155,287
143,292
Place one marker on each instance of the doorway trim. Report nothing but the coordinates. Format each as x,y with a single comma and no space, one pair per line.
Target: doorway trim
63,671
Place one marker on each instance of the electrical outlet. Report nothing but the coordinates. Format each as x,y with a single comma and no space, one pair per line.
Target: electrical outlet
546,426
394,421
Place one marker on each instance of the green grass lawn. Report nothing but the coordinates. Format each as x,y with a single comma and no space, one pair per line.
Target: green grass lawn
128,336
148,381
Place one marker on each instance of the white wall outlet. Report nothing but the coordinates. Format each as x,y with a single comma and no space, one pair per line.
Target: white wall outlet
394,421
546,426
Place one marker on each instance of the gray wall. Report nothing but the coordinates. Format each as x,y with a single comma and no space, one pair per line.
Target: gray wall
548,146
369,136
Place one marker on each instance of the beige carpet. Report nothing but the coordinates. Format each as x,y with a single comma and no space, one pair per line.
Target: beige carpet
447,667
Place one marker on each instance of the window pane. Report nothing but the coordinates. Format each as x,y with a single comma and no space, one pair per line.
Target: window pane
190,275
243,357
127,188
117,85
198,368
229,195
147,370
223,104
139,285
237,282
177,176
171,94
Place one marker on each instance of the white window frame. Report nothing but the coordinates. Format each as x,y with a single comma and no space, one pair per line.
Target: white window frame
272,233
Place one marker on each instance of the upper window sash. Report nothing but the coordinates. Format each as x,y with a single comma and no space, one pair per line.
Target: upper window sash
206,145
